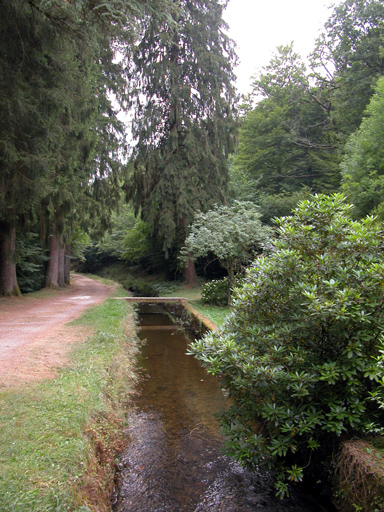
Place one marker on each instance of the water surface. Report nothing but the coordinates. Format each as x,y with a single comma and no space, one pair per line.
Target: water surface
174,462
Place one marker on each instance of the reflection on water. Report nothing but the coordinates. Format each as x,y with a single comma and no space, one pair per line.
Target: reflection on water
174,462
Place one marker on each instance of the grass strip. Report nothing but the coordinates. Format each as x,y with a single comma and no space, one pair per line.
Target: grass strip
59,438
217,314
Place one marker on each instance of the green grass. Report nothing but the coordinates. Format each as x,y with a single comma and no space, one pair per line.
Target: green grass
49,431
181,290
217,314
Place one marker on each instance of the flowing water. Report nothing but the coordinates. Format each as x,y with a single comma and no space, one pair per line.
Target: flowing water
174,462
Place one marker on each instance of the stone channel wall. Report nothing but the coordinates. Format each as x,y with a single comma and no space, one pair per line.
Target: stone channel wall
190,318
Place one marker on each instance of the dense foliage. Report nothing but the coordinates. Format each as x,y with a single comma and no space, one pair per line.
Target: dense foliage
216,291
71,66
285,142
351,44
363,162
299,354
61,143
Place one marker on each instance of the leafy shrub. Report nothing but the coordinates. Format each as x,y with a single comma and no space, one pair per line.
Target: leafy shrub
136,243
300,353
233,234
139,285
216,292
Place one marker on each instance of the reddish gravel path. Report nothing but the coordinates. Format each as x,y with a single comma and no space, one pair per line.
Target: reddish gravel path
33,336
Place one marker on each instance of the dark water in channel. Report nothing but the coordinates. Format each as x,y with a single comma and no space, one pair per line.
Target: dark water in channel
175,463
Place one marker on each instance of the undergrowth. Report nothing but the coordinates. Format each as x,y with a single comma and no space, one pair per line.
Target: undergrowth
360,477
59,438
156,286
137,281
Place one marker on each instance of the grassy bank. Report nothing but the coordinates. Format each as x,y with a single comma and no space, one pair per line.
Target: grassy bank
217,314
59,438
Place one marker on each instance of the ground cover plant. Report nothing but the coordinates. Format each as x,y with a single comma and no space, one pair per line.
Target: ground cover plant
59,438
301,354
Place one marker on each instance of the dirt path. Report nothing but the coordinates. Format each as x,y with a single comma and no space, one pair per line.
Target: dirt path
34,337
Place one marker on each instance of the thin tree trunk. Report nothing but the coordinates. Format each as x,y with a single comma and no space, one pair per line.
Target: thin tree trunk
67,264
8,279
190,272
61,280
52,269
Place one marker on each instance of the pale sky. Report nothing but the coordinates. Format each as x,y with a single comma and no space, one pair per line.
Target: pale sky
260,26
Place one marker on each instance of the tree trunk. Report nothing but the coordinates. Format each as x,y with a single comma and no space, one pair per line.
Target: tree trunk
61,280
190,272
8,279
67,265
52,269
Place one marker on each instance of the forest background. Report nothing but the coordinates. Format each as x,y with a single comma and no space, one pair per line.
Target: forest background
72,71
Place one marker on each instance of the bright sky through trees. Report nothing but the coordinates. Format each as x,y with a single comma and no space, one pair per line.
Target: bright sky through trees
259,27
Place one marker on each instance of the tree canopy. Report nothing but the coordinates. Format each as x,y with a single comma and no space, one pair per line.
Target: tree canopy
352,43
297,120
363,162
286,141
60,139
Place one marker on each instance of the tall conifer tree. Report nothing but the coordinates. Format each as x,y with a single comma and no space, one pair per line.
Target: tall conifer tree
184,121
58,130
26,119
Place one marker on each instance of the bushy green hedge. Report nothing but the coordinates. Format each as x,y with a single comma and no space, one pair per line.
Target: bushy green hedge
301,355
216,292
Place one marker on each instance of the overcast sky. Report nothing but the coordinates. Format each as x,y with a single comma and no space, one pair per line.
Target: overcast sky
259,26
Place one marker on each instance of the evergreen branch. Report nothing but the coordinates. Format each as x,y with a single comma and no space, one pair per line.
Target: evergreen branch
18,31
305,143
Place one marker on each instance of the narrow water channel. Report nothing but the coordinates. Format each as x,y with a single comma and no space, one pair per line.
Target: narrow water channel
174,462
